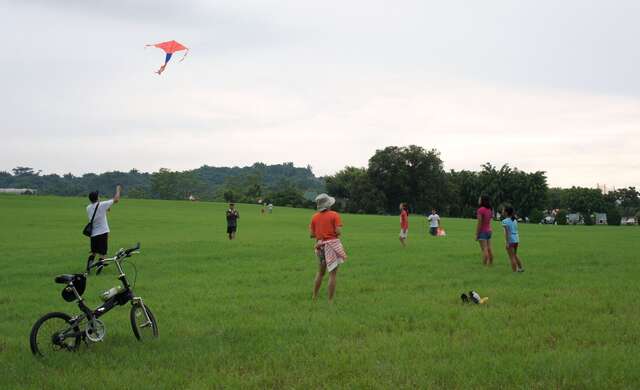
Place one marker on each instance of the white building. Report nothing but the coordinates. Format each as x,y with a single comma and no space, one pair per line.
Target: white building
18,191
600,218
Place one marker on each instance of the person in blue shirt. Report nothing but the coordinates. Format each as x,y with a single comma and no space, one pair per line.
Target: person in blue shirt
512,238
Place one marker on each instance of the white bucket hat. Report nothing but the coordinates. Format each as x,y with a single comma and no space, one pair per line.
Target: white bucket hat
324,201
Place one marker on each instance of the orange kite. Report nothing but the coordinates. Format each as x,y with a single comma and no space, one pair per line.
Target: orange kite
170,47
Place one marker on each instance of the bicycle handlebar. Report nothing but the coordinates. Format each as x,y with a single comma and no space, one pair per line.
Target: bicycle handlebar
134,249
122,253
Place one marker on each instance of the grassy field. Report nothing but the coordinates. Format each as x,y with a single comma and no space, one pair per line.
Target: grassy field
238,314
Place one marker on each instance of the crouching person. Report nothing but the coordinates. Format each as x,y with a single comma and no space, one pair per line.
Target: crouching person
326,228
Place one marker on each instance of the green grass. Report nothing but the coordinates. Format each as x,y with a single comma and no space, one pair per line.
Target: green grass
238,314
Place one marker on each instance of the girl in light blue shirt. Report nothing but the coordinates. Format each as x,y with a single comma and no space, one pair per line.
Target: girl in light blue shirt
512,238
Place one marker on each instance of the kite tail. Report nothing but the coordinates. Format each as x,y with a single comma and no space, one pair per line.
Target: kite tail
166,60
184,56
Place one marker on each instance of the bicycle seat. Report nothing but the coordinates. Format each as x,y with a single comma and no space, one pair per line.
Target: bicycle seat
64,279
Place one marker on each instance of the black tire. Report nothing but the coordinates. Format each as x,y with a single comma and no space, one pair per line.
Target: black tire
141,329
44,330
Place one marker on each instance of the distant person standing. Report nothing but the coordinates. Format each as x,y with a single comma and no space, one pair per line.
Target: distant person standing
326,228
404,224
97,214
270,208
232,221
483,229
512,238
434,222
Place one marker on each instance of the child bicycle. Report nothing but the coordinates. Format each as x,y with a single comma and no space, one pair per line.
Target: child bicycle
58,331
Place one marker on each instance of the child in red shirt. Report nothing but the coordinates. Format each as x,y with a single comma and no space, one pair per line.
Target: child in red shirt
404,224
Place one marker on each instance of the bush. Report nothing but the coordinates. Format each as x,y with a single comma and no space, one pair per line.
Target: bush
588,219
561,217
614,217
536,216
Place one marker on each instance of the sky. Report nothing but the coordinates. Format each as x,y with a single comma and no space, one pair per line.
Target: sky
545,85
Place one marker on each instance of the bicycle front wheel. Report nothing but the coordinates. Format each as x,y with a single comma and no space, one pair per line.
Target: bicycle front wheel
143,322
53,333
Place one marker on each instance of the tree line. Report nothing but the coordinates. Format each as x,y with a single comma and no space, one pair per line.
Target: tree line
409,174
416,176
282,184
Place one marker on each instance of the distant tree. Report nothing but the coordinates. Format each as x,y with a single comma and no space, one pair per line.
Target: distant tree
288,196
585,200
561,217
535,216
409,174
556,199
229,196
24,171
588,219
463,189
166,184
613,216
356,191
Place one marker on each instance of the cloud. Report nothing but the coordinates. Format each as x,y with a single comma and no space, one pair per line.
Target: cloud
539,87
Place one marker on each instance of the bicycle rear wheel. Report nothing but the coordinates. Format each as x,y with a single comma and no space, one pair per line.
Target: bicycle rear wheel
143,328
48,335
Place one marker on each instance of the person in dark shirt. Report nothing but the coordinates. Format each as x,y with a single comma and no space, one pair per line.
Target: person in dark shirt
232,221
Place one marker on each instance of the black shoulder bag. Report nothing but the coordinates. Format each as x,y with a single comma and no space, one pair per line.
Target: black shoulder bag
89,227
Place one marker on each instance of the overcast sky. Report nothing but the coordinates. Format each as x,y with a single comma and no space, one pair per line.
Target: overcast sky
541,85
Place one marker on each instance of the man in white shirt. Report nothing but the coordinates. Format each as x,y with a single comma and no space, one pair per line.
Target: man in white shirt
100,229
434,222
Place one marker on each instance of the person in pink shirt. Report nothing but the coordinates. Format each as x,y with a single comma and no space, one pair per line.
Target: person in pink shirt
483,229
404,224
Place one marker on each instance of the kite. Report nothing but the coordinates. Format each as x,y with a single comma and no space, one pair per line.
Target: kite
170,47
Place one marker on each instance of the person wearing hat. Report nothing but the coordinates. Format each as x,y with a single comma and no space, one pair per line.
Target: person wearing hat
232,221
97,214
325,228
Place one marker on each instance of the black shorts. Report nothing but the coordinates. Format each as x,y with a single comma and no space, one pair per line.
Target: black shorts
231,229
99,244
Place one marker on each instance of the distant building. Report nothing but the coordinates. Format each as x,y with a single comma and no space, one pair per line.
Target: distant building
600,218
18,191
574,219
629,221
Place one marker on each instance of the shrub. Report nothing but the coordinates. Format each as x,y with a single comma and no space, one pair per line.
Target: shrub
613,216
536,216
588,219
561,217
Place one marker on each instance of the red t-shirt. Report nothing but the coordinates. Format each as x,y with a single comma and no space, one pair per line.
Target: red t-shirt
404,220
324,224
484,216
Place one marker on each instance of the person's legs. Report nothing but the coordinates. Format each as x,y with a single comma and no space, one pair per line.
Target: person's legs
489,252
402,238
483,250
332,284
322,268
90,259
99,248
512,258
517,258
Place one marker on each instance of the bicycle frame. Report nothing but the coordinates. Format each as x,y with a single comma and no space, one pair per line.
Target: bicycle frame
120,299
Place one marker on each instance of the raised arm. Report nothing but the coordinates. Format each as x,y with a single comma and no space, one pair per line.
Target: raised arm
116,197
